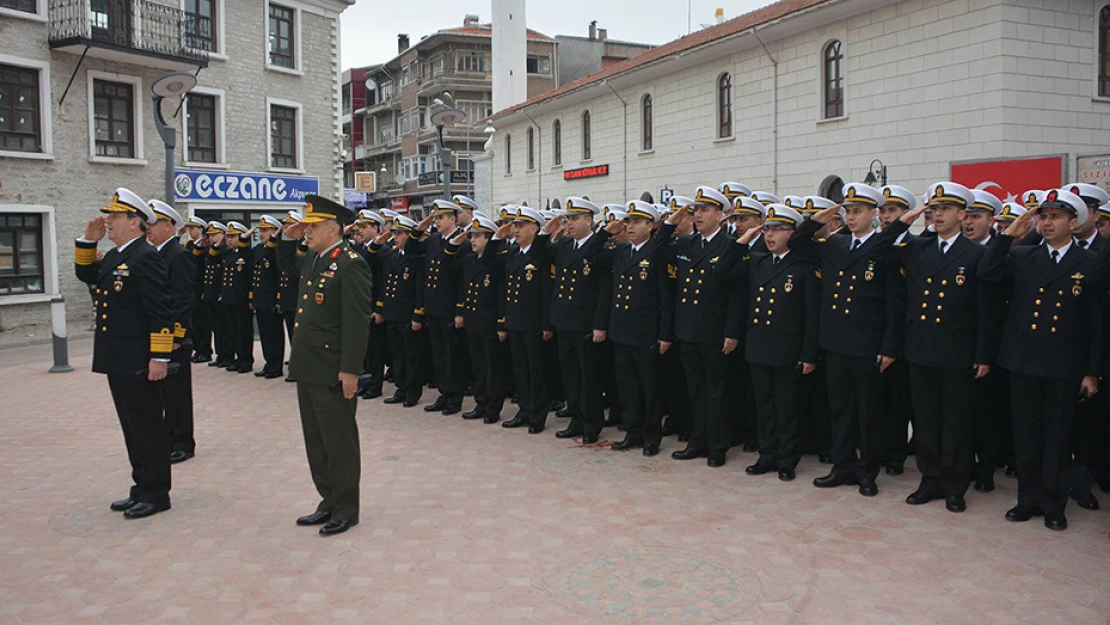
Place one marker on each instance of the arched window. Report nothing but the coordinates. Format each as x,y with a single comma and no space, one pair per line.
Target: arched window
531,149
508,154
1104,52
585,135
724,105
557,142
834,80
646,123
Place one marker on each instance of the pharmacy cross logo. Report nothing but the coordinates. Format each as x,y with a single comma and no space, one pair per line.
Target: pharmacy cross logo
183,185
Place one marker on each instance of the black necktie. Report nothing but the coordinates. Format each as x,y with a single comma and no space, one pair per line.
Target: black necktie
1082,244
777,261
856,244
703,243
1056,256
943,245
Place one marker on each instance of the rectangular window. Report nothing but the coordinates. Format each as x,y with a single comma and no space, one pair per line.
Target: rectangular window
470,62
113,105
283,137
282,36
200,24
387,91
21,259
201,128
20,127
476,110
437,67
25,6
538,64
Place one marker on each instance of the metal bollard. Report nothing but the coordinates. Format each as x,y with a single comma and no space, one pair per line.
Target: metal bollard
61,347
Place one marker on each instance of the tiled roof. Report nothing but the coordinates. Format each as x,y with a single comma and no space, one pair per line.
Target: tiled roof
702,37
483,30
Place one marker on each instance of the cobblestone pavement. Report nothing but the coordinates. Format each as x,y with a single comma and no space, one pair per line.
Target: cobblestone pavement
464,523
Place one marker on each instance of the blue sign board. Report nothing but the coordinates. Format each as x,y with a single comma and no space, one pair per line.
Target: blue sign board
229,187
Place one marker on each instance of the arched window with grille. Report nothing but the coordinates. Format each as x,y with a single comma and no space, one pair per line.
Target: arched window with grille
647,123
508,154
1104,52
557,142
585,135
531,148
724,105
833,80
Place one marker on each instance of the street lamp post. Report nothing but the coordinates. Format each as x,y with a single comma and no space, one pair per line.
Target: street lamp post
172,85
441,118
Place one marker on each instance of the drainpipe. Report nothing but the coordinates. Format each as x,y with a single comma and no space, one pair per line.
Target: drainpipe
624,144
539,159
774,114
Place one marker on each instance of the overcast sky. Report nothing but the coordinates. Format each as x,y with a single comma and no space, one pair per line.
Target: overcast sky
370,27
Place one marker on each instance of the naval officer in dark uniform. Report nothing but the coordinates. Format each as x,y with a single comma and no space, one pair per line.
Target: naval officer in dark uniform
333,319
402,272
133,342
262,296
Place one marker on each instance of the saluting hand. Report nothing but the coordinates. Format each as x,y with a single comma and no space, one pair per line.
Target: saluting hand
460,237
295,231
424,224
826,215
553,225
615,227
911,216
749,235
96,229
504,230
1020,226
383,237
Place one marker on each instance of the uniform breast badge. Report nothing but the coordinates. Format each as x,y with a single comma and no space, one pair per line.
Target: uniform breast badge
405,275
869,275
485,282
1077,288
961,276
585,268
789,286
319,299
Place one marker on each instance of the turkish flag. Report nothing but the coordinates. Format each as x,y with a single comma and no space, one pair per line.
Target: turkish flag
1009,179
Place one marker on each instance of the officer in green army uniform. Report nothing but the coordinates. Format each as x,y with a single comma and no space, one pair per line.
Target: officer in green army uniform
333,320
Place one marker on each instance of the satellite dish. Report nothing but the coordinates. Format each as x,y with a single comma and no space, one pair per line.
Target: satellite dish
447,117
174,84
399,179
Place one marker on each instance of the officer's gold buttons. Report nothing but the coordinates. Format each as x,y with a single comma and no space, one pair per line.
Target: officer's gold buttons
1038,302
1040,290
103,316
841,273
834,306
296,324
1036,314
923,317
103,328
938,319
836,295
926,292
1033,327
928,280
300,310
305,296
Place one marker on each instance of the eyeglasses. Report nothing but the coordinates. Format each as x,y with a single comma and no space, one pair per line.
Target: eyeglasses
777,229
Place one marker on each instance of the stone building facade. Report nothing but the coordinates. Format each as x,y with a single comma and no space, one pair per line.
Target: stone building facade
267,104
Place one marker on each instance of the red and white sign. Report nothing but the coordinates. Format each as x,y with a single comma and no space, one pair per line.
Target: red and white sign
1008,179
399,204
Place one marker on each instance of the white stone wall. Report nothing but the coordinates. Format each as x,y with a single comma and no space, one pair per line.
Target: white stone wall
77,188
928,82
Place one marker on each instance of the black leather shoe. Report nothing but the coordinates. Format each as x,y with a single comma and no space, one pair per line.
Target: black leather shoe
231,366
316,518
689,454
477,413
270,375
1021,514
921,496
627,443
868,488
289,378
570,432
589,439
336,526
410,403
895,468
669,428
611,423
787,474
197,358
141,510
751,447
491,419
516,422
716,459
370,394
436,406
1053,521
556,406
563,412
450,410
651,450
218,363
834,479
984,485
396,399
955,503
259,373
535,429
244,368
180,456
758,469
1085,498
123,504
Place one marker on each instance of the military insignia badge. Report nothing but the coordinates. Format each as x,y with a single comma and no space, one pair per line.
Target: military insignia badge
961,276
1077,288
869,275
643,273
118,284
485,282
333,266
319,299
528,275
405,276
789,286
585,268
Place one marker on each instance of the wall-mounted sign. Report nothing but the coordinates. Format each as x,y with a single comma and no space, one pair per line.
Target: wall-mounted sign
366,181
190,185
354,199
1009,178
665,195
586,172
399,204
436,177
1094,169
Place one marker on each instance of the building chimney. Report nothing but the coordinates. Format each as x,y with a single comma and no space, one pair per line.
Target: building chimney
402,43
720,15
602,34
593,30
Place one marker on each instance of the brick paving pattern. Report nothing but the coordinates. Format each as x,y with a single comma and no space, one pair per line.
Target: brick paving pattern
469,524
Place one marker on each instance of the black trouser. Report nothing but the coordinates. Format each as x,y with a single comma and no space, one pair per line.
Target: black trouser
896,412
1043,411
202,322
224,332
582,366
139,407
377,353
529,369
407,347
489,368
290,317
554,384
177,401
637,373
856,414
739,415
1087,440
331,442
706,376
675,395
448,345
814,415
272,338
611,394
987,432
777,414
942,411
240,333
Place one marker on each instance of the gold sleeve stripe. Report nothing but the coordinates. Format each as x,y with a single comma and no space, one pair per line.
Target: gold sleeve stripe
178,330
161,342
418,311
212,252
379,303
85,256
271,243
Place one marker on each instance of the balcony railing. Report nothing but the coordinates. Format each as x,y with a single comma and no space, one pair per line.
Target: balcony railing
130,26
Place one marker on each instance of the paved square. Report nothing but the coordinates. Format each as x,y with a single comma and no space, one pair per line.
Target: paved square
465,523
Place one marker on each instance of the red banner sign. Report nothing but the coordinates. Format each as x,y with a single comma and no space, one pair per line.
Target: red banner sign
399,204
586,172
1008,179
